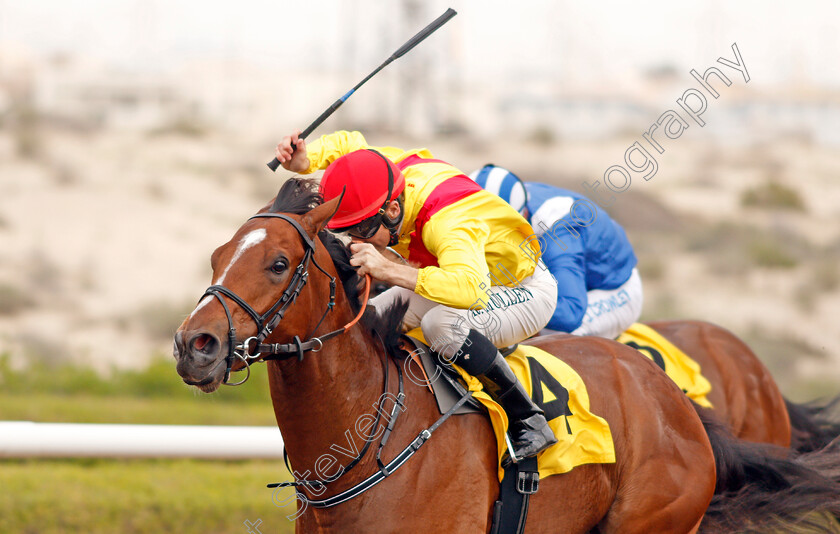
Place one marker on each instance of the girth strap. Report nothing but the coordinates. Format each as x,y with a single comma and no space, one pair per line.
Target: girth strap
521,480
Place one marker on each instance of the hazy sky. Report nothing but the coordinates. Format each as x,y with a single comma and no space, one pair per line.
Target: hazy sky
592,40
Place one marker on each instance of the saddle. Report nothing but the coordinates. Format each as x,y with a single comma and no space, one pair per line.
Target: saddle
582,436
449,388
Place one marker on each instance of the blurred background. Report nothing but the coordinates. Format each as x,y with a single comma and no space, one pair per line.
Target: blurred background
133,141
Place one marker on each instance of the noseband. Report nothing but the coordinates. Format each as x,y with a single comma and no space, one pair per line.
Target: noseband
253,349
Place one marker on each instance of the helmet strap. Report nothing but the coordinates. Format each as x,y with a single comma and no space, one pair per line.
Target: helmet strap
393,225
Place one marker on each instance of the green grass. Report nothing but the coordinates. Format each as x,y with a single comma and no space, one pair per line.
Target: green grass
136,496
142,496
158,380
80,408
155,395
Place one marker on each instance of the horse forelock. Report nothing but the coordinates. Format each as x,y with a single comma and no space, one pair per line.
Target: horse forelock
297,196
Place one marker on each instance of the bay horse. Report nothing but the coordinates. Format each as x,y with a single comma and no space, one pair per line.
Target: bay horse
744,392
324,384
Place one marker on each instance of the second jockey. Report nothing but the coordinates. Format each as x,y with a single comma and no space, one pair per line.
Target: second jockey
599,291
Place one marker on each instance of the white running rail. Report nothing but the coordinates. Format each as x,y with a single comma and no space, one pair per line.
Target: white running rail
25,439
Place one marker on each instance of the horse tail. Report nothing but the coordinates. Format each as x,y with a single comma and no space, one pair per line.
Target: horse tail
761,486
814,424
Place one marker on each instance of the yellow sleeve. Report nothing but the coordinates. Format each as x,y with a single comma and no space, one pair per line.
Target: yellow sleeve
459,247
330,147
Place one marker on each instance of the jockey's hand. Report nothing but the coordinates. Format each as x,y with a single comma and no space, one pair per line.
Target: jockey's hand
297,160
370,261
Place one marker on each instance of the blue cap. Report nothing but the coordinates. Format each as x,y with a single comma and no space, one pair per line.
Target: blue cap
503,183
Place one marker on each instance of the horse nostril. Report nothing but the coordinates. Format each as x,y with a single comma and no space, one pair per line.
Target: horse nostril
178,347
205,344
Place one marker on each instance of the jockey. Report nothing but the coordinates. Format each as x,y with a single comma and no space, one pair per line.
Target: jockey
475,288
599,291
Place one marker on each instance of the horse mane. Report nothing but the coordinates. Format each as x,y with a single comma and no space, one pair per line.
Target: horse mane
389,326
350,279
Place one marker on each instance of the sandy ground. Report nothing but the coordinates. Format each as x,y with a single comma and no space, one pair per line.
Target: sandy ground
106,237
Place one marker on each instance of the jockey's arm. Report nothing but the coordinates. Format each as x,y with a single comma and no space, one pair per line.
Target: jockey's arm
370,261
318,155
462,267
569,269
455,283
328,148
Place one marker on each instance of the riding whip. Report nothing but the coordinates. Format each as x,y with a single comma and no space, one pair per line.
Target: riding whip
414,41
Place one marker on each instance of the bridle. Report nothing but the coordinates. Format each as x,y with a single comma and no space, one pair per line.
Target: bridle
253,349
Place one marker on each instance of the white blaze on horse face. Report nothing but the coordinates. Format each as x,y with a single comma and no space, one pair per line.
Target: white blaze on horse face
245,243
253,238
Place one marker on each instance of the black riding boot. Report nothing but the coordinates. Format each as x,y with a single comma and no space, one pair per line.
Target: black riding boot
529,431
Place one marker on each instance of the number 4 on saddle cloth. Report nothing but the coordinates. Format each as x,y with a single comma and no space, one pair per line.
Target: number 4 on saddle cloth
582,437
684,371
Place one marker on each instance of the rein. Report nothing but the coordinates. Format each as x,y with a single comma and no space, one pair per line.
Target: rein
284,351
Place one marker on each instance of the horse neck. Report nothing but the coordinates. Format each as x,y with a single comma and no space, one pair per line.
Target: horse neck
318,401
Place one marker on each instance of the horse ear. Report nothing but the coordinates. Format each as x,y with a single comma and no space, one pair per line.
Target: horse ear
315,220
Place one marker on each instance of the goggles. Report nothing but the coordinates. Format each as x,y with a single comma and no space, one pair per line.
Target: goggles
367,228
364,229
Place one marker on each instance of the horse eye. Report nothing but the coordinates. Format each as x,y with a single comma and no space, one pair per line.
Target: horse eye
278,267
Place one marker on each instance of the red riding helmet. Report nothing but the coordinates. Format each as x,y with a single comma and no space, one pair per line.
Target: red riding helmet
368,176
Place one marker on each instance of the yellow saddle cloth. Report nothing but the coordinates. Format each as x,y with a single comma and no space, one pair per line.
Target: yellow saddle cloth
684,371
582,437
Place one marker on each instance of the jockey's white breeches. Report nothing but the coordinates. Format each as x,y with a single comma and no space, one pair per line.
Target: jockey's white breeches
610,312
505,315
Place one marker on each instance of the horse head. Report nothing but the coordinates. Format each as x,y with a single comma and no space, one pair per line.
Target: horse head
261,291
